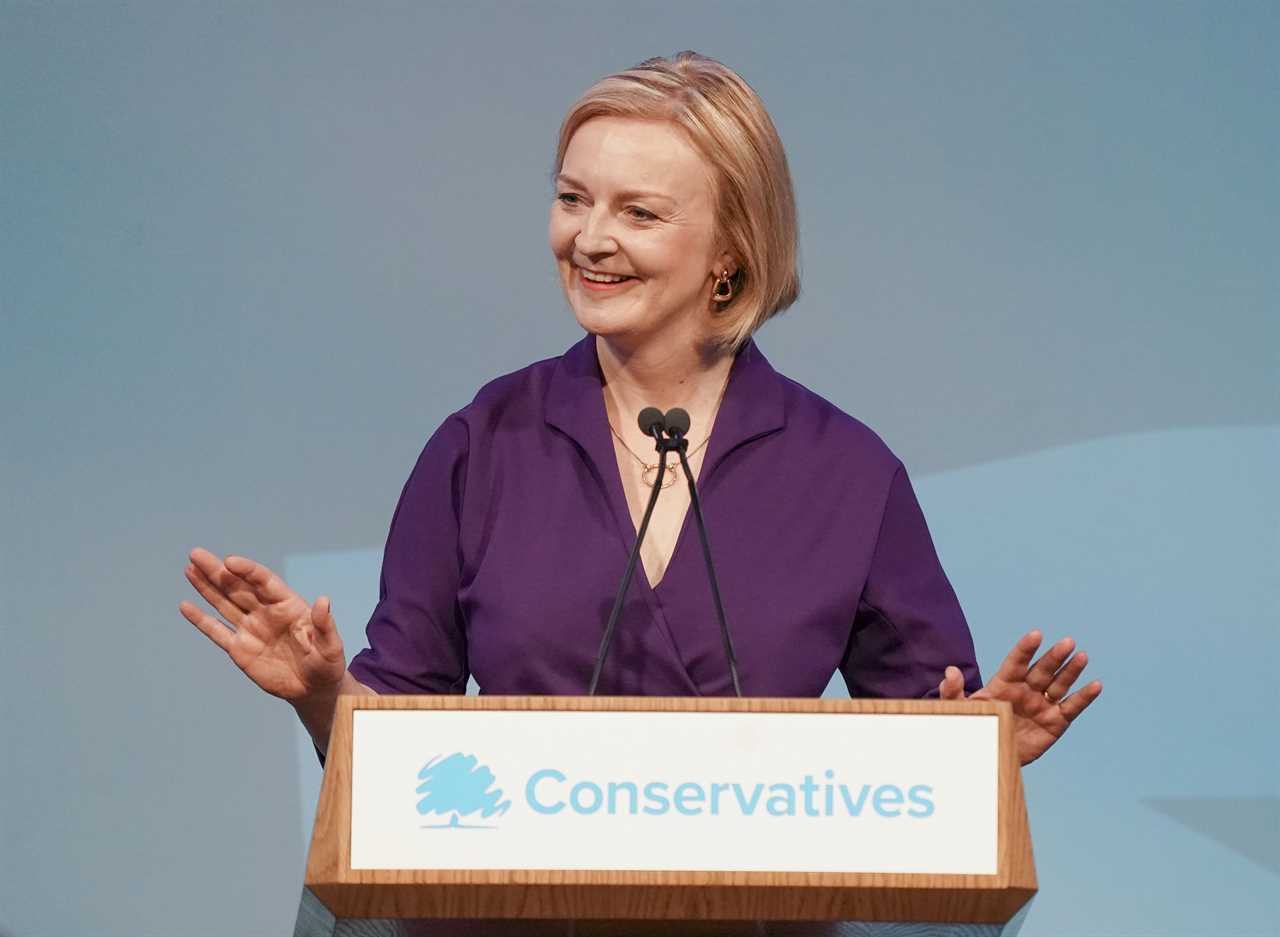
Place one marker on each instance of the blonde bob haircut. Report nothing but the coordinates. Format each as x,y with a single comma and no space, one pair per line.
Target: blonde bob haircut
725,121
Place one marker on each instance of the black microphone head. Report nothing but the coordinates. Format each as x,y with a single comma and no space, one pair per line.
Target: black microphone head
650,417
677,421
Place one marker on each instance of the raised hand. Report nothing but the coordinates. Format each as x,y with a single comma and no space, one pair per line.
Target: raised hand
1038,692
286,646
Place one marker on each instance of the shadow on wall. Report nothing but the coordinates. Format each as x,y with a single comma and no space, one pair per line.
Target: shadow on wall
1249,826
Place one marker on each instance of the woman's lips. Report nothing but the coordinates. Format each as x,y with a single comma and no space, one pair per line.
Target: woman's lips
603,287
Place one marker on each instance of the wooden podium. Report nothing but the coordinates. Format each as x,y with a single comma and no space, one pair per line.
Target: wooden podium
575,895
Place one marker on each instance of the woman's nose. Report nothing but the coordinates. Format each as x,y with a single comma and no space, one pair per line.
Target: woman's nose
595,237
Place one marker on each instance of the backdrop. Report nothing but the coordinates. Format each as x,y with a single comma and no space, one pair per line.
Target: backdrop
252,255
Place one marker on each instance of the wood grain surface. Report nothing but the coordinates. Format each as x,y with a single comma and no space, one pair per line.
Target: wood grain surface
667,895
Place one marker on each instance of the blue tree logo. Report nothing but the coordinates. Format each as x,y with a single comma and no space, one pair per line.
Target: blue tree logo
459,785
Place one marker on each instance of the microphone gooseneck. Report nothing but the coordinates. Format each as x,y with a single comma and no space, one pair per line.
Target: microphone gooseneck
651,424
677,425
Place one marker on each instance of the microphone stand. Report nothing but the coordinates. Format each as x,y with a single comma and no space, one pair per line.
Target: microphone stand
680,444
664,446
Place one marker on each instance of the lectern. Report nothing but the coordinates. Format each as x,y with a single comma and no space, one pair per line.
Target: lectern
449,815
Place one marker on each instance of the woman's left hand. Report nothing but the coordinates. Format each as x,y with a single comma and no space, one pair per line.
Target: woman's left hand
1042,710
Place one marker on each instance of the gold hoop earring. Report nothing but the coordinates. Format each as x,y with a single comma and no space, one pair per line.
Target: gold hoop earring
723,291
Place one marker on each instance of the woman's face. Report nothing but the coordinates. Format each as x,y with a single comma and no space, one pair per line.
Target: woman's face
633,199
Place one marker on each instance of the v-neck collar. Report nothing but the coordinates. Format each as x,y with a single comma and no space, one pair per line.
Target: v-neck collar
752,406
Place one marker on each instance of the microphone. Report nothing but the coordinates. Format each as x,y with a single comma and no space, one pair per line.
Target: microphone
676,422
651,424
651,418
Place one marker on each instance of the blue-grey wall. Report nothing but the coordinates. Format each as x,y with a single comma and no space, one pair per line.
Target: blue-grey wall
251,255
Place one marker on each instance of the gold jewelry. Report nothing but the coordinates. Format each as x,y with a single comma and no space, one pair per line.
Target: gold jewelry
722,283
650,474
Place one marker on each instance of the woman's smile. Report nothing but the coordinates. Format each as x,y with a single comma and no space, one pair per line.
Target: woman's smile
604,282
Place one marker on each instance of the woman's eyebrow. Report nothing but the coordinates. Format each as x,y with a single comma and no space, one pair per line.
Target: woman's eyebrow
628,193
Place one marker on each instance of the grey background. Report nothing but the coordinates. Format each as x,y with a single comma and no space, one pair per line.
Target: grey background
251,255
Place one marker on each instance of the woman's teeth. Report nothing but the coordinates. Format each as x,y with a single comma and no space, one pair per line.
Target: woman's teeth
603,277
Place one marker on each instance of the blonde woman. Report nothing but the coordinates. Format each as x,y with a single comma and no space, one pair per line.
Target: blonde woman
673,228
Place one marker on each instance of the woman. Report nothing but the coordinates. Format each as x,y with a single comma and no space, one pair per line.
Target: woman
674,232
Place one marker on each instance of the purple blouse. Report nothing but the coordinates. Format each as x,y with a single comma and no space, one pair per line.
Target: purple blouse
512,533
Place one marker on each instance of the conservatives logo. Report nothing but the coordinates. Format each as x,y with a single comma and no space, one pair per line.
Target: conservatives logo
460,786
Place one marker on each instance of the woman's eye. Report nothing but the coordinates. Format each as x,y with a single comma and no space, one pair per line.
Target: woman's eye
567,198
641,215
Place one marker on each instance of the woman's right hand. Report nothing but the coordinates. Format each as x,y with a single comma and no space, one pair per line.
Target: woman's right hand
289,648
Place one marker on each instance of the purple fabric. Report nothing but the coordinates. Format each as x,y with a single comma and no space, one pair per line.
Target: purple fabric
512,533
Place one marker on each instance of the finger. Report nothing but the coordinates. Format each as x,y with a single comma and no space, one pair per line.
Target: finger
952,685
210,627
1013,669
305,637
214,596
1042,672
1079,701
1065,677
231,585
306,632
266,585
327,639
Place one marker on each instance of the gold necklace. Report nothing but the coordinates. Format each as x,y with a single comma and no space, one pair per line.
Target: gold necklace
650,474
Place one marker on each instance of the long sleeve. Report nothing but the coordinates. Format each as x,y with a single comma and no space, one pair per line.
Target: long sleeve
908,627
417,636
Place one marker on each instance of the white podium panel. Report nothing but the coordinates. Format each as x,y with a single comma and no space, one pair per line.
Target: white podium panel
718,791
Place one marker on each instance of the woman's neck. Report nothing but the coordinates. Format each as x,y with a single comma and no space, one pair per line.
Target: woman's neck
664,378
